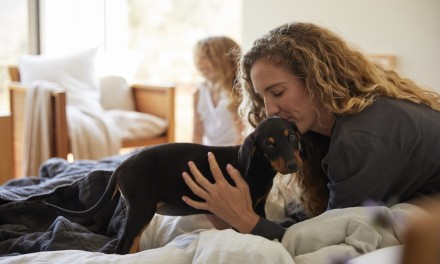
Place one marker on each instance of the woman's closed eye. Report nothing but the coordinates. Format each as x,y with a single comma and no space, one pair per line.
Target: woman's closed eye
277,93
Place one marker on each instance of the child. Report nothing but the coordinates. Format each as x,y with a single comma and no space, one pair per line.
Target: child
216,121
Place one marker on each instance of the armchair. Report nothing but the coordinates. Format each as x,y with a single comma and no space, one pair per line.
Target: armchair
157,100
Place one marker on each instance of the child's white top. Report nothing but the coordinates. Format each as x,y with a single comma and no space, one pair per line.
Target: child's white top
218,122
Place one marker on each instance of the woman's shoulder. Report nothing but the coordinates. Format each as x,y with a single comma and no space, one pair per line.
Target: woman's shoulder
392,106
387,119
385,109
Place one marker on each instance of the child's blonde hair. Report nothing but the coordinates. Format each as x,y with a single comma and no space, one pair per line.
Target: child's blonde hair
222,52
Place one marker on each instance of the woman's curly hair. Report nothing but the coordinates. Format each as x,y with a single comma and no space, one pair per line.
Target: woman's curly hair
343,79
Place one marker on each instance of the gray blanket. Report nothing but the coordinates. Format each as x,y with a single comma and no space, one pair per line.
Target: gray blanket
28,225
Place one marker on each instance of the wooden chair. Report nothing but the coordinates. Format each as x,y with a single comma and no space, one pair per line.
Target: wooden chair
158,100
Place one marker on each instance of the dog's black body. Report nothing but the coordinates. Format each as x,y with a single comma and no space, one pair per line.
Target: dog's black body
153,176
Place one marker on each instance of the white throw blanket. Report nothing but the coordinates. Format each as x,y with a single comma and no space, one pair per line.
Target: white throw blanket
92,133
37,134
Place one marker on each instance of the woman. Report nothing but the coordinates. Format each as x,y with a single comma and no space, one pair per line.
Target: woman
382,130
216,121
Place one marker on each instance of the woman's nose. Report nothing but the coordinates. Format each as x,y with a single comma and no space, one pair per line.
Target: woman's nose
271,108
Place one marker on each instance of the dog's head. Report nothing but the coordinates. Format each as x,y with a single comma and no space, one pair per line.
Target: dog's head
277,141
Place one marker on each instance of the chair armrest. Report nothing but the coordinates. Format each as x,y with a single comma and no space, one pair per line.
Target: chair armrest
158,100
14,74
16,86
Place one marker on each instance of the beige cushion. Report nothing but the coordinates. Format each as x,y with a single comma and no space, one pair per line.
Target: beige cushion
136,125
116,94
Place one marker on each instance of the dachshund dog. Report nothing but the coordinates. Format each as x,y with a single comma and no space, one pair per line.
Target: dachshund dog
151,181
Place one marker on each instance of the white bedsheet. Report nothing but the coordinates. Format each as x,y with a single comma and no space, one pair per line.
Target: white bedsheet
335,235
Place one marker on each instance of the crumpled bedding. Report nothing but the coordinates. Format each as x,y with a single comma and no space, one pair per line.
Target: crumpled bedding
330,238
30,233
28,225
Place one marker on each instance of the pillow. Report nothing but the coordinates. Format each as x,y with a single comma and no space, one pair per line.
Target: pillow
75,72
136,125
116,94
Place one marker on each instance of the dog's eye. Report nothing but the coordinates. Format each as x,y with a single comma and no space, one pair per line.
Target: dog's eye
292,137
268,145
269,150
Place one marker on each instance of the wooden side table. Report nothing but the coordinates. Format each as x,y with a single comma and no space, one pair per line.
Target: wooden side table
6,154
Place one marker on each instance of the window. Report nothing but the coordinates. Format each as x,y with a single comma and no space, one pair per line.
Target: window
143,39
166,31
14,39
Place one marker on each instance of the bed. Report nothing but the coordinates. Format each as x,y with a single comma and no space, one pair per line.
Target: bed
30,232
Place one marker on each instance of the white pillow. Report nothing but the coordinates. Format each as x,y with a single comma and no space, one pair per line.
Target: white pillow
116,94
137,125
76,72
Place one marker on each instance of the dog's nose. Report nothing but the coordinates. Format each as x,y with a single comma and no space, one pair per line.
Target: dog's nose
292,166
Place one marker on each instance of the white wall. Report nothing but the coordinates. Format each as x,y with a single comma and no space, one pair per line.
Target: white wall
409,29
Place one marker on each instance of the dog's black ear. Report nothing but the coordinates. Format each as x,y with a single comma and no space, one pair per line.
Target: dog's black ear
302,146
246,153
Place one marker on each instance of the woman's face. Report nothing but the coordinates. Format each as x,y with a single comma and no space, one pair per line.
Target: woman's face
284,95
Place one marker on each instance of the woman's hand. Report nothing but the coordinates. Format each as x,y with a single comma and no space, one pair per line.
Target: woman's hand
232,204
